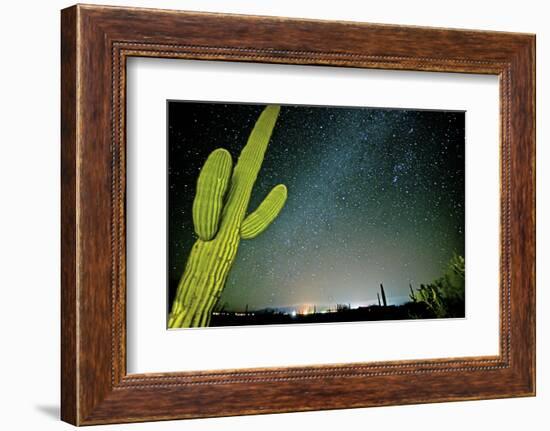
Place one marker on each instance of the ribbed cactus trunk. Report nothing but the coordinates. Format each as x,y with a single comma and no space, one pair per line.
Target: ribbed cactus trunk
220,223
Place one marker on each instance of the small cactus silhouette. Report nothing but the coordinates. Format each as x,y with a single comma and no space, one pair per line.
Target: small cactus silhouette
383,295
219,210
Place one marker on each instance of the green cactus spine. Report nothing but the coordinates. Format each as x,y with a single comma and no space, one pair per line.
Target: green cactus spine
220,223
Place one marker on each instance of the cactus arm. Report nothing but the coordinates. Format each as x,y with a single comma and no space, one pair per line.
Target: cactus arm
211,188
259,220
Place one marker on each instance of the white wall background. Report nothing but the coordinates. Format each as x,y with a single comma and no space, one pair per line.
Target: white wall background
29,214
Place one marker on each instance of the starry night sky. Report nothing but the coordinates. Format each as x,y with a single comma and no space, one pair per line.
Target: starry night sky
374,196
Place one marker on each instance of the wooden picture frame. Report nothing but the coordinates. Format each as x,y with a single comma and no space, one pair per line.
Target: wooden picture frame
95,43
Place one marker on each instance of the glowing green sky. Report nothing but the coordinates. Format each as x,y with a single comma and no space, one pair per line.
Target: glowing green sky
374,195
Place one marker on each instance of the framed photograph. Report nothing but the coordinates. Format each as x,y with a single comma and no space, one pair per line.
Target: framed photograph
264,215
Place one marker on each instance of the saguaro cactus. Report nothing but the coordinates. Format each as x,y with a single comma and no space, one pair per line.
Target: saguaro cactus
220,223
383,295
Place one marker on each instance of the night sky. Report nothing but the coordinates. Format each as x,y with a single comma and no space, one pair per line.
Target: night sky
374,196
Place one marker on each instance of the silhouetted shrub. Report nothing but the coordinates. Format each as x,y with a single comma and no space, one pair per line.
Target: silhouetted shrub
444,297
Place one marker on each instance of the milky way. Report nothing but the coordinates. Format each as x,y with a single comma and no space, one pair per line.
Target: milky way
374,196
